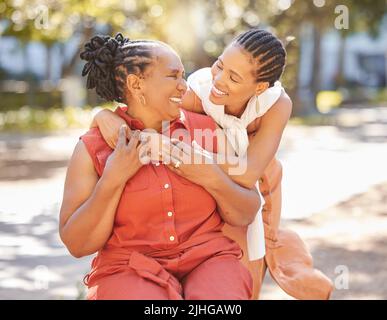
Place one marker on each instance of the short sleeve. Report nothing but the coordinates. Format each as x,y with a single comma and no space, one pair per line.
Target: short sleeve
97,148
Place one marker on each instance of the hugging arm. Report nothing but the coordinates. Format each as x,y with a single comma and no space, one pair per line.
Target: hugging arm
236,204
109,123
263,144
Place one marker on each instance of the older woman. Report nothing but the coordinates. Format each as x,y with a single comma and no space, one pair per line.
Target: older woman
157,234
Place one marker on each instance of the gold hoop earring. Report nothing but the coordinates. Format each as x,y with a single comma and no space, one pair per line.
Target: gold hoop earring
142,98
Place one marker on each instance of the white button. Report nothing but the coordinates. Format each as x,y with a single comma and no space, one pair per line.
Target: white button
171,238
166,186
169,214
157,164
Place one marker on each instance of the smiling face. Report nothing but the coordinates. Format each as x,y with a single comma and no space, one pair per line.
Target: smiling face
233,78
165,84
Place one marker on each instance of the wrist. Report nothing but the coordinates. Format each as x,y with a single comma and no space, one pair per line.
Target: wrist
110,184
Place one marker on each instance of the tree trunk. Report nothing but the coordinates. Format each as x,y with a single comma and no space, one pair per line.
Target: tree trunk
340,78
316,73
49,101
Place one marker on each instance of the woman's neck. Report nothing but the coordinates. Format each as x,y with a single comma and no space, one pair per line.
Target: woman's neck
236,109
149,121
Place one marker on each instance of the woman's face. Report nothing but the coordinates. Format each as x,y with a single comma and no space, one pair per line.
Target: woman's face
233,77
165,84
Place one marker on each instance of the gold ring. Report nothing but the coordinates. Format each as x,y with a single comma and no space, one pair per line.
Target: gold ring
177,164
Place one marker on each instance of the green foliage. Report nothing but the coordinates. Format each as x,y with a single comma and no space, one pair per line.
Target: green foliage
44,100
381,96
198,30
31,119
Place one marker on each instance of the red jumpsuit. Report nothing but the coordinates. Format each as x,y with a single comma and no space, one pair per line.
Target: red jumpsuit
167,240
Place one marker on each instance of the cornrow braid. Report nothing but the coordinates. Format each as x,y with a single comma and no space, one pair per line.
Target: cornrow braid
269,51
110,60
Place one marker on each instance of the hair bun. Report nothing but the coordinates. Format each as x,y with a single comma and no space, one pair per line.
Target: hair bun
100,53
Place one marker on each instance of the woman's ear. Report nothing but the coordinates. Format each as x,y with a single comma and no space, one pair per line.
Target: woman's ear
261,87
134,84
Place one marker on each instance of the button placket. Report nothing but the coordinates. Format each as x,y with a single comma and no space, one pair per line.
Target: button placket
168,208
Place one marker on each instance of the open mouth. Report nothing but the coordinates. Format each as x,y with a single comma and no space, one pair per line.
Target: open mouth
218,93
176,100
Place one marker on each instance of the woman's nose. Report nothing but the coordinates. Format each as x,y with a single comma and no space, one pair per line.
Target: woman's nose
182,85
218,78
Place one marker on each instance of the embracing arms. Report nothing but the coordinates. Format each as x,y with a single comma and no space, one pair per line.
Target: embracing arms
263,144
236,195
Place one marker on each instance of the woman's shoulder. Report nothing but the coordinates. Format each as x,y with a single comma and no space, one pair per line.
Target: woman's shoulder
281,109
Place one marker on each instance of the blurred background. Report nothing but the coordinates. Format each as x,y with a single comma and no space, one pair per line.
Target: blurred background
334,150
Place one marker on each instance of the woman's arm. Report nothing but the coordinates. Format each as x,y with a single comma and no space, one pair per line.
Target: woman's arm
191,102
109,123
263,145
89,204
237,205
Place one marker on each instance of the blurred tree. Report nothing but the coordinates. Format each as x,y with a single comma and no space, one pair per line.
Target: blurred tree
319,15
365,16
199,30
52,21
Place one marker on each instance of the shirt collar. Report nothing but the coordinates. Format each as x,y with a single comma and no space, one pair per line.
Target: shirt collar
132,123
139,125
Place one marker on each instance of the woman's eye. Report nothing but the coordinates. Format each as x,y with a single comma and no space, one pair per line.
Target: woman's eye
233,80
219,67
174,76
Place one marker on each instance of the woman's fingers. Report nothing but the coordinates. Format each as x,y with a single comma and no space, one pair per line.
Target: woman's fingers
169,148
186,148
121,137
111,144
134,140
171,160
128,133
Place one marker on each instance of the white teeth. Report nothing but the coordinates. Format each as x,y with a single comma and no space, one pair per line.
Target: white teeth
176,100
218,91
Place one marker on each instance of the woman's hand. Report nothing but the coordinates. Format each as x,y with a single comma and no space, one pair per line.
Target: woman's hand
191,162
109,124
125,161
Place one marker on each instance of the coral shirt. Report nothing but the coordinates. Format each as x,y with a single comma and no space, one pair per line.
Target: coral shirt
159,212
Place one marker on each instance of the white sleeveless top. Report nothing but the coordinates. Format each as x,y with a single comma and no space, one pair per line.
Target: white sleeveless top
235,130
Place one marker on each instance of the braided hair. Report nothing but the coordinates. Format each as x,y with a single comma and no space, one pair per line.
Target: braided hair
110,60
269,51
